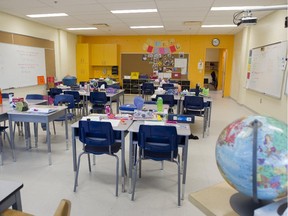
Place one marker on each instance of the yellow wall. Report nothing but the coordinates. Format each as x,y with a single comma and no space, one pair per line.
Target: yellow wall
194,45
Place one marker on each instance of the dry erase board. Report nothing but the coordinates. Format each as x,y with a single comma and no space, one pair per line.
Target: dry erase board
21,65
266,69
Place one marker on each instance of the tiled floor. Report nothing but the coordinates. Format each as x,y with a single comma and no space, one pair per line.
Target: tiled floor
156,192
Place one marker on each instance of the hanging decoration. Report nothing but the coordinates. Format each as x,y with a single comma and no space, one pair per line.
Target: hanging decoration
160,54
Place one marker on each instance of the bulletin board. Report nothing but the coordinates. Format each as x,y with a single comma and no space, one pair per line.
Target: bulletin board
266,68
25,61
134,62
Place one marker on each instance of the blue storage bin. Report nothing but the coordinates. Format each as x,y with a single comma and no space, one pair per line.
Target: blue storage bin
69,80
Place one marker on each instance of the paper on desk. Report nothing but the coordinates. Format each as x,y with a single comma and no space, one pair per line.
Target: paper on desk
154,123
92,118
114,122
41,110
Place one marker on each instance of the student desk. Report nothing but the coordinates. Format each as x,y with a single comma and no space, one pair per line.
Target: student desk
182,130
10,195
121,127
35,117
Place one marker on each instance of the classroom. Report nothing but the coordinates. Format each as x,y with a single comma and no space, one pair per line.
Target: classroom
191,59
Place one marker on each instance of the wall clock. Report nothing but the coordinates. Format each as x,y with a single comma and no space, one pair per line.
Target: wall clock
215,42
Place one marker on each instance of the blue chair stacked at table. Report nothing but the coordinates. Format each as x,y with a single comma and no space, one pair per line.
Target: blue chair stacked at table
67,100
195,105
54,91
100,83
77,99
167,86
147,89
98,101
158,143
98,139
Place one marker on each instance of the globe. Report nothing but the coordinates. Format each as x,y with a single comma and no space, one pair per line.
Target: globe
234,156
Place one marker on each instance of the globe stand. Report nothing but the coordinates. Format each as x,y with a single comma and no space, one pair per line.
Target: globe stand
245,205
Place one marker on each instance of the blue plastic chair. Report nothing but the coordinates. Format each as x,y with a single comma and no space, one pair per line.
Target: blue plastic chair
100,83
195,105
158,143
35,96
98,100
54,91
77,99
98,139
167,86
6,95
147,89
67,100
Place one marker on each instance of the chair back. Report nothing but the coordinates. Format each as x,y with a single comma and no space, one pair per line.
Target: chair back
193,102
100,83
167,86
6,95
54,91
148,88
96,134
66,99
158,142
35,96
167,99
98,98
75,94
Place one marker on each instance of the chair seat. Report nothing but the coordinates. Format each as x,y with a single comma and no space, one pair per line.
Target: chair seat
98,150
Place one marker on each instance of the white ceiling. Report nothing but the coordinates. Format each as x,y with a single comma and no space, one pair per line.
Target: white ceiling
171,14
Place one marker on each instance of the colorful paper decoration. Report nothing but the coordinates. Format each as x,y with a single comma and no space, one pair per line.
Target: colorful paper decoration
172,48
41,80
150,49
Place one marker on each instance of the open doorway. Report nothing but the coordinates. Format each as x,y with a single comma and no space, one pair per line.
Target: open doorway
215,66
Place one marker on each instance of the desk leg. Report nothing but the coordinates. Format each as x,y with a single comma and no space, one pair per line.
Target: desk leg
11,131
17,205
66,130
74,151
123,160
36,134
27,135
185,166
130,162
48,143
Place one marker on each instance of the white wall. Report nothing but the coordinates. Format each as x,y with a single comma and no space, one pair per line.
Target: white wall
64,44
268,30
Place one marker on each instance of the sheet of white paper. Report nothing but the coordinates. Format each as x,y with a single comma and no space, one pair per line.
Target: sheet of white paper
41,110
114,122
154,123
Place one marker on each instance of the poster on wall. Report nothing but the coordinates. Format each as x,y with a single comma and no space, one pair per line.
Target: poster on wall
181,63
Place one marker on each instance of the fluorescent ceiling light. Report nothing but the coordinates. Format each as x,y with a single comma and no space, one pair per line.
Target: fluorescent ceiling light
218,26
252,8
47,15
145,27
134,11
82,28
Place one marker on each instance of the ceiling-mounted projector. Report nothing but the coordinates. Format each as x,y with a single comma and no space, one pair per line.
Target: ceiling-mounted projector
248,21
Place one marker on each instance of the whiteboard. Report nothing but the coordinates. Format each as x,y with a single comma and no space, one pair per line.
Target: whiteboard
266,69
21,65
